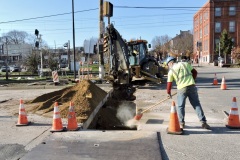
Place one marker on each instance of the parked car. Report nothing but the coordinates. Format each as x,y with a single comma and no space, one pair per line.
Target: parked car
15,69
5,68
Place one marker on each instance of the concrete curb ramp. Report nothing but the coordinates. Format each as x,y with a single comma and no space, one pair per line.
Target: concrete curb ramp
99,145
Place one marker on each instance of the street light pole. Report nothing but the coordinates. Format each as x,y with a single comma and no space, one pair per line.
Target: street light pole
7,59
38,46
219,49
88,57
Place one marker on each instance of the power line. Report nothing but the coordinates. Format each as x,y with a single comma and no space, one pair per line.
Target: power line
60,14
26,19
153,7
182,7
127,7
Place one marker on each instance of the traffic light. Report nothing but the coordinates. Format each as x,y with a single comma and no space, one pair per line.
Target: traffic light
107,9
105,43
37,44
36,32
95,49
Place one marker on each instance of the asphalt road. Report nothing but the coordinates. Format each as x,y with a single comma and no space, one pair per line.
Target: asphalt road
195,143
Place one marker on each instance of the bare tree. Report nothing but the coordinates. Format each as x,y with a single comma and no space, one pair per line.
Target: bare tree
183,43
161,45
16,37
236,54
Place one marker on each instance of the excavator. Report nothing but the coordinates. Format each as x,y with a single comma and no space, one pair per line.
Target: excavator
128,61
143,65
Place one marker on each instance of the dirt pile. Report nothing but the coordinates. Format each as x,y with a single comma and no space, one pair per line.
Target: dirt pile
85,95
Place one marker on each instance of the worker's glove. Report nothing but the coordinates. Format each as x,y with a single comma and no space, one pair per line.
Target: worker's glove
169,96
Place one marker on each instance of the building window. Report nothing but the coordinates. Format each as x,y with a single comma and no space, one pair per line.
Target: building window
232,11
196,35
232,26
217,27
218,12
205,46
200,33
205,15
206,30
196,23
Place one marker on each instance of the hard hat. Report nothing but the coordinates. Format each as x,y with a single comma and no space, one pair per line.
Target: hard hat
170,59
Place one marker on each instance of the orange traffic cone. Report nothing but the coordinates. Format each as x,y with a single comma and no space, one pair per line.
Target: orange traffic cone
57,121
174,126
233,118
223,84
215,81
72,121
22,118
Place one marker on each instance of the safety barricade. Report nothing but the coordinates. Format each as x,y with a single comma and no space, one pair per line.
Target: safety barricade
81,77
85,69
55,76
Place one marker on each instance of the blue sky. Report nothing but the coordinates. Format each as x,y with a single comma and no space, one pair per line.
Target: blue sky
130,22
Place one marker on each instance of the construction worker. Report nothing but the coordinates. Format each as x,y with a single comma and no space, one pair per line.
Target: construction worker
184,75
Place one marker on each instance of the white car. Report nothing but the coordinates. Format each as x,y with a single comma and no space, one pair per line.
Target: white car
5,68
15,69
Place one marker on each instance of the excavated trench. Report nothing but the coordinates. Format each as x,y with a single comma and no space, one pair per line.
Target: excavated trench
95,108
115,115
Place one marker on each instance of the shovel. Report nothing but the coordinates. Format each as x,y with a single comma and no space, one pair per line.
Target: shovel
140,112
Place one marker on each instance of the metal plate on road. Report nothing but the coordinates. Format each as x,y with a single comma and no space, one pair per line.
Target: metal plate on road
116,145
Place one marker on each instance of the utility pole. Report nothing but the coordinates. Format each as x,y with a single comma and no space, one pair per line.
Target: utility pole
40,49
100,49
74,70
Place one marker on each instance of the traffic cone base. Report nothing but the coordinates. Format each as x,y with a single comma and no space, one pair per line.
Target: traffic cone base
233,118
22,117
231,127
57,121
23,124
62,130
72,120
175,132
174,126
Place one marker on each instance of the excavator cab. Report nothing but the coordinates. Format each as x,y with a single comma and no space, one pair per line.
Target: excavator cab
143,66
137,51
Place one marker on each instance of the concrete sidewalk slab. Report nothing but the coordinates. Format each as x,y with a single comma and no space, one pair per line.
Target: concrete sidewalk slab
100,145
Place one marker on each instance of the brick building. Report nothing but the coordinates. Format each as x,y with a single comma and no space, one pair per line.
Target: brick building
209,22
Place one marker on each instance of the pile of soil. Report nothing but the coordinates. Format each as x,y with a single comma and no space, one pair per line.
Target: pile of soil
85,96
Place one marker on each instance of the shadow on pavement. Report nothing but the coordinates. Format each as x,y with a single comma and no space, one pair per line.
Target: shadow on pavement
214,130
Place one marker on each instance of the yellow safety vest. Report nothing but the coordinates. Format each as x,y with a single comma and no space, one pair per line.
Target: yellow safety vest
181,74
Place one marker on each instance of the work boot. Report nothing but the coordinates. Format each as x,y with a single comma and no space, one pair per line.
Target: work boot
205,125
182,125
